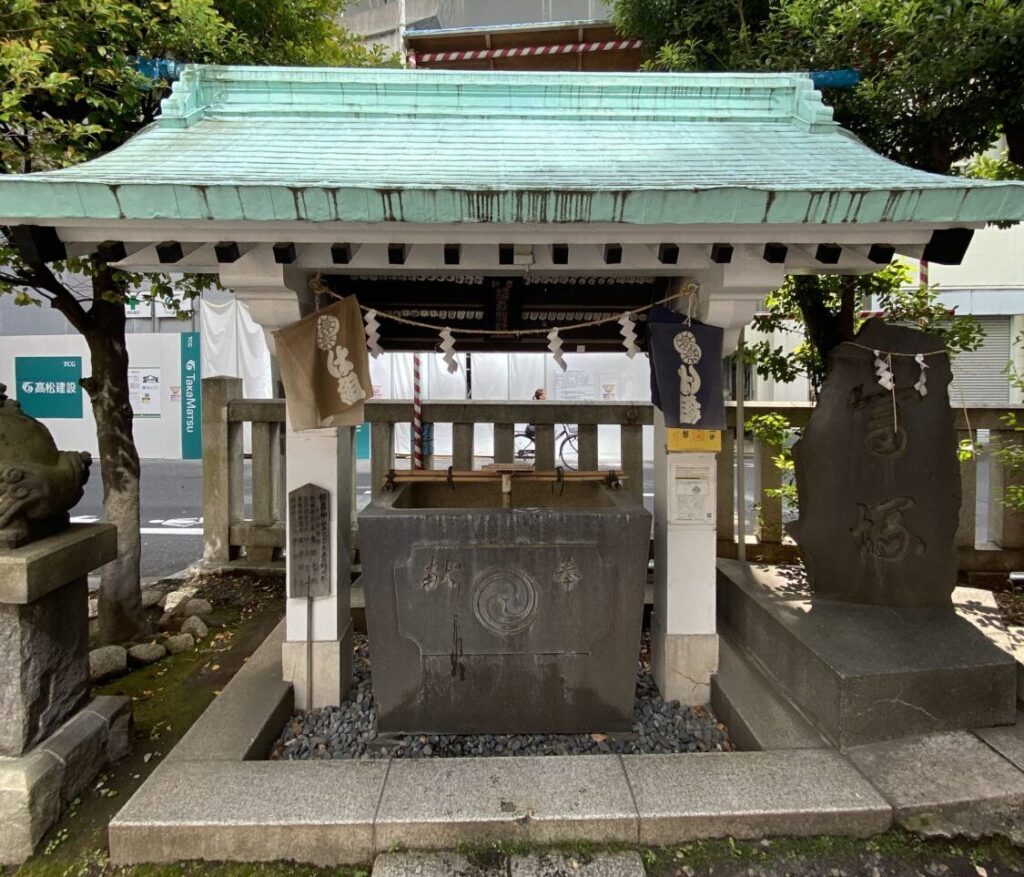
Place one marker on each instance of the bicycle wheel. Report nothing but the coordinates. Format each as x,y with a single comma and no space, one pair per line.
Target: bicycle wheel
568,451
524,447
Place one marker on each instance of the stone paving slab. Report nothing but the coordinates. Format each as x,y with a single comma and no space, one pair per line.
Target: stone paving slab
1008,740
623,864
946,784
319,812
543,864
438,803
751,795
444,863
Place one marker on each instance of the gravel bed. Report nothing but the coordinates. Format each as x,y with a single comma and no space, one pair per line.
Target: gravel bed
345,731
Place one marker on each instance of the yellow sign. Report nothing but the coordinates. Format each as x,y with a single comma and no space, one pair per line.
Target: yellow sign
707,440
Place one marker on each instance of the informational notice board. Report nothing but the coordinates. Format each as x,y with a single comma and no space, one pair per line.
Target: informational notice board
48,386
309,541
693,496
144,390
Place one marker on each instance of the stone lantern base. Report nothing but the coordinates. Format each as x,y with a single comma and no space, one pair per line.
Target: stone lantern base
53,740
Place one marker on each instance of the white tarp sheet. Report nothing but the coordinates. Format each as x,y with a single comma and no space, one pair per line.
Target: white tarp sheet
234,346
590,377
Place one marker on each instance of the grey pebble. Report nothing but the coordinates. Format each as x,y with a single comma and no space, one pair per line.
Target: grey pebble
343,731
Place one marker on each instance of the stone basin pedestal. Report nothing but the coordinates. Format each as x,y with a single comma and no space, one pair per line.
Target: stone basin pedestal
484,619
860,673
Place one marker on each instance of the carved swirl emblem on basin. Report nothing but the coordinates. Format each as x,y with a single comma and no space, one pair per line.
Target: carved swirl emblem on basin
505,601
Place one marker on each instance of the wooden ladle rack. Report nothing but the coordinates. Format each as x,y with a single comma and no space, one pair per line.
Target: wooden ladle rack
506,473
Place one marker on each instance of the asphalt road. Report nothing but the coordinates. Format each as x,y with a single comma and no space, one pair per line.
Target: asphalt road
172,523
172,513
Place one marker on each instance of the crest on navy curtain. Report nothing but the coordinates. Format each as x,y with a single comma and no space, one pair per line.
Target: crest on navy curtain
686,370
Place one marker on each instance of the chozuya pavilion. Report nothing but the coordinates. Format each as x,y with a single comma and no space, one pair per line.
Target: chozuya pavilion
486,198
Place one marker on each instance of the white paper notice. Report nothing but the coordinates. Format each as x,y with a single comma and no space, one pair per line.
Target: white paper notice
692,496
144,390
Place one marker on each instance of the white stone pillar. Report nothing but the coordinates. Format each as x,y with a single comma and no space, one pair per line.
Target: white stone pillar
323,457
277,296
684,639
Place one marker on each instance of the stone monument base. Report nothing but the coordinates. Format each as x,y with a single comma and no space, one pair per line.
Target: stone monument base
53,740
862,673
35,787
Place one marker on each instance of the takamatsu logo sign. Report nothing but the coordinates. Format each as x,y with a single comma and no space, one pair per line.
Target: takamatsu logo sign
48,386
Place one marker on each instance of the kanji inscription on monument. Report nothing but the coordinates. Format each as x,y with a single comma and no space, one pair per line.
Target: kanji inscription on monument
877,474
309,541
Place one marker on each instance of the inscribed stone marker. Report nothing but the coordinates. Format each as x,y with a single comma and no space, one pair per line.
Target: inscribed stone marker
878,477
309,541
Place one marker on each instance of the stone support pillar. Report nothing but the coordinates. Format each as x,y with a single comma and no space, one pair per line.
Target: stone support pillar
278,295
684,638
323,457
223,472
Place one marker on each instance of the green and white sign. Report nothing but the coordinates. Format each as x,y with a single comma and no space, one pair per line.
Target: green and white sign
48,385
191,397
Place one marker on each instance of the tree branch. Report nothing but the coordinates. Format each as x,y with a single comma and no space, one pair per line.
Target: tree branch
63,299
847,307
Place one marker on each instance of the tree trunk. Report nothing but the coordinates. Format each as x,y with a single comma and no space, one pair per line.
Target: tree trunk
120,598
826,329
1014,132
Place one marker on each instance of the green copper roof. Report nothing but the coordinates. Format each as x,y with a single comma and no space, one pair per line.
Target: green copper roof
240,143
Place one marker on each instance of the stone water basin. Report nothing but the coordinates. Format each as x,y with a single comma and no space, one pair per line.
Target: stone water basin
487,619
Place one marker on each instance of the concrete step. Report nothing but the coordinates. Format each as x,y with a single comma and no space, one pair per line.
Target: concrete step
757,716
490,863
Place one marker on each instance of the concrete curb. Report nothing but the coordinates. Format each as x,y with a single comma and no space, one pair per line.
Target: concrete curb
211,800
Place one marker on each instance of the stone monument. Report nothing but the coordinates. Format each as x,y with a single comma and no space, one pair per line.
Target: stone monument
868,643
53,739
877,474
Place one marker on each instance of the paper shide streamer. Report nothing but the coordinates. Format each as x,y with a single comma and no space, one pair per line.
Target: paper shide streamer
448,349
555,346
628,332
883,370
372,333
922,381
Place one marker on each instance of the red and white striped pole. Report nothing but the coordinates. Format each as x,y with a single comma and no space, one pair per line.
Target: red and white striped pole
923,273
417,415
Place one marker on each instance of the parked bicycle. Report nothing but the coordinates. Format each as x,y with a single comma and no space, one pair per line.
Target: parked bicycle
567,440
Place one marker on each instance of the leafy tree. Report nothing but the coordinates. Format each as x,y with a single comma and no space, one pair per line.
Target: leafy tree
693,34
987,167
940,79
827,310
73,90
